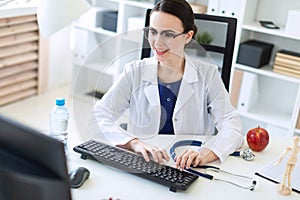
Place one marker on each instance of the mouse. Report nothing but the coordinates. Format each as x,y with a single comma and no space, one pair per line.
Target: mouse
78,176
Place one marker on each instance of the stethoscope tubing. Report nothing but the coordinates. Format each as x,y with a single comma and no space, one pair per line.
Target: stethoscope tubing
217,169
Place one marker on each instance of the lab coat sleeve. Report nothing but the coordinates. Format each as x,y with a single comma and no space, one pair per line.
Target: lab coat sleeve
225,118
103,124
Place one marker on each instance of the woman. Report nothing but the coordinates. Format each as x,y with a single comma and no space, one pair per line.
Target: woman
170,93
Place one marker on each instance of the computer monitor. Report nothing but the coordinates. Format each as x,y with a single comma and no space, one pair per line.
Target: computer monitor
220,50
32,165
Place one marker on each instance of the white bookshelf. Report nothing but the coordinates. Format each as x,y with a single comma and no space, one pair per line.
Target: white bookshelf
274,100
277,106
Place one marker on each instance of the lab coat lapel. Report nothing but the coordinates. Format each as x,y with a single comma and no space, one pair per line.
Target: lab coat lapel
186,90
151,93
185,93
150,81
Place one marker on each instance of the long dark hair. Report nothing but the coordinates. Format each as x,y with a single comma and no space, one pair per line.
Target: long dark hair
180,9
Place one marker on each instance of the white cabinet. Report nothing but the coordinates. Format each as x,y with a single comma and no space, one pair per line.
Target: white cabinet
264,97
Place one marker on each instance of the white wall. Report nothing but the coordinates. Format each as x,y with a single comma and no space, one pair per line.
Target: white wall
60,58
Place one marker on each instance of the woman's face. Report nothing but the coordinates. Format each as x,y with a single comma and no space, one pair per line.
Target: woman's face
166,36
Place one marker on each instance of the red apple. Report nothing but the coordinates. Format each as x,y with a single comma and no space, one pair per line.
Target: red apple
257,138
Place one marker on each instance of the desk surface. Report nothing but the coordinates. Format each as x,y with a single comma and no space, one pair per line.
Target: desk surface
106,182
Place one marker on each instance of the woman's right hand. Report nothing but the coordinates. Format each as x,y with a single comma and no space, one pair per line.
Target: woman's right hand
158,154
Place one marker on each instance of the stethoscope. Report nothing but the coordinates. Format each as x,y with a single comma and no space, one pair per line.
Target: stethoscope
245,154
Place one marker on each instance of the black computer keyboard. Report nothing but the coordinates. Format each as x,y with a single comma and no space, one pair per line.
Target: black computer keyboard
136,164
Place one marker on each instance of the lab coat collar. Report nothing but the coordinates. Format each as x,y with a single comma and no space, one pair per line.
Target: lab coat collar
150,73
186,91
190,70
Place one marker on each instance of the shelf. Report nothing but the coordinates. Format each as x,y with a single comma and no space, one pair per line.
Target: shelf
255,26
267,71
93,75
268,115
102,66
142,4
130,35
115,1
84,95
134,36
94,29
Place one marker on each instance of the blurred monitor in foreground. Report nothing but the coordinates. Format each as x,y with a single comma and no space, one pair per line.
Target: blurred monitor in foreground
32,165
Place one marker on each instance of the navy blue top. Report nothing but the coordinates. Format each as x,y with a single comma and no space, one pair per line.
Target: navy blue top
168,93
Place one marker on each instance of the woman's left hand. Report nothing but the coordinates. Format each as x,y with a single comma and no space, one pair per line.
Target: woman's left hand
190,157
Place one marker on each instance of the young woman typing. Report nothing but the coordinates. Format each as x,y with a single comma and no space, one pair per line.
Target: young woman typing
170,93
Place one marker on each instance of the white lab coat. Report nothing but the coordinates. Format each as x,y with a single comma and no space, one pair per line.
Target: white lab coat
202,101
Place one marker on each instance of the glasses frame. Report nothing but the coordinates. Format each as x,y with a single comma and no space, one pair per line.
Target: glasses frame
147,29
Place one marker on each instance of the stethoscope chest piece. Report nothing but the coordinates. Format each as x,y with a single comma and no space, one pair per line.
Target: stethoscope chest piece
247,154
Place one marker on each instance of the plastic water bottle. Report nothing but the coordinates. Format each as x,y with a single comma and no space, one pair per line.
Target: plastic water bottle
59,120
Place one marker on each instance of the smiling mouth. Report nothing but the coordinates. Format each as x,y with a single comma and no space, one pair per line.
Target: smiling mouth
160,52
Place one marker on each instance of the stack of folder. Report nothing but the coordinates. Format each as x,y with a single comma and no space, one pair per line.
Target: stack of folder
288,63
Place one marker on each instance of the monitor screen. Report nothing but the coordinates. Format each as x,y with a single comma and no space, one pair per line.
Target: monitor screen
216,35
33,165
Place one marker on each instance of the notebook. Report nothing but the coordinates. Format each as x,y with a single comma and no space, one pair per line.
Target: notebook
276,173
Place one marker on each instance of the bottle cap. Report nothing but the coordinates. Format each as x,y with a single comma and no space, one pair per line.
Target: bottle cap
60,101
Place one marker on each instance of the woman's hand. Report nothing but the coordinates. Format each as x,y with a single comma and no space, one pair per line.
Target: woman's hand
157,154
190,157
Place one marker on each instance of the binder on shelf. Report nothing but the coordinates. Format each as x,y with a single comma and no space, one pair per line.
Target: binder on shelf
213,7
288,54
82,48
288,63
292,24
288,69
286,72
248,92
229,8
137,22
287,59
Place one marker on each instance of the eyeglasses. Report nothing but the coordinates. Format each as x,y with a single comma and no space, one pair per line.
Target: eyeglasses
166,36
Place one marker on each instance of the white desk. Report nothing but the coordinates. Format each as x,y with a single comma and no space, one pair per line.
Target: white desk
106,182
